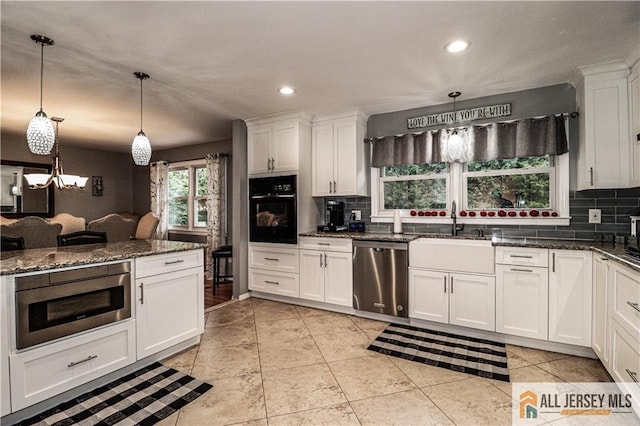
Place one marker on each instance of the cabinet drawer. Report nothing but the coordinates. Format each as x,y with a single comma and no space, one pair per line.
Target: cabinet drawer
163,263
522,256
326,244
626,299
625,359
268,282
274,259
41,373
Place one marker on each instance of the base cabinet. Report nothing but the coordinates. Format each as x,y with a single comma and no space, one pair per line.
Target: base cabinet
600,324
169,305
274,269
452,298
5,388
47,371
570,278
326,275
522,300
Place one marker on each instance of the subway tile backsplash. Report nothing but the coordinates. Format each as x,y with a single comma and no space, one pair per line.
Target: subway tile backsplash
616,205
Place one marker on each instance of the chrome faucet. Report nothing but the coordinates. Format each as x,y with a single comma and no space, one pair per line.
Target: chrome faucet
455,228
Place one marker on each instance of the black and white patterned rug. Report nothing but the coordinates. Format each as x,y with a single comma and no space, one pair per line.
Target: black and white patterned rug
470,355
143,397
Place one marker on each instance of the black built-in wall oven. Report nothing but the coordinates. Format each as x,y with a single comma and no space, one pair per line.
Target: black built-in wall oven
272,209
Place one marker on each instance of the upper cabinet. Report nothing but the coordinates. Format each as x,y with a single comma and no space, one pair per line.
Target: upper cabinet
605,154
634,116
339,161
276,143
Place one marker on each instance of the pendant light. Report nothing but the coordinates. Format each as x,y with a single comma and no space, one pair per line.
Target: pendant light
141,147
57,176
455,142
40,135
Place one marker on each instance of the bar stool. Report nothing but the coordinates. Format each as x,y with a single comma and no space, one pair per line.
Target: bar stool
222,252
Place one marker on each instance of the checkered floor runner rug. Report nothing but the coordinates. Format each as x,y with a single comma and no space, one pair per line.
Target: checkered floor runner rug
144,397
469,355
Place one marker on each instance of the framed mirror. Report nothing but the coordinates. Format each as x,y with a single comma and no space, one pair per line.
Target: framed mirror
16,199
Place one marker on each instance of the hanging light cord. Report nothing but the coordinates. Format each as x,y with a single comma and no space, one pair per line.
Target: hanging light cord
41,72
141,104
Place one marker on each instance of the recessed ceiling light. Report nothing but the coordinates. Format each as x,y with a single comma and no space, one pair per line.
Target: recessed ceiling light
456,46
286,90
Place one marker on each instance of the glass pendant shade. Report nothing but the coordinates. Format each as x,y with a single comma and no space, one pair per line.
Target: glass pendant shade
455,147
141,149
40,134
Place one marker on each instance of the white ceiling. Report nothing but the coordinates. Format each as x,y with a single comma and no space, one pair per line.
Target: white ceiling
213,62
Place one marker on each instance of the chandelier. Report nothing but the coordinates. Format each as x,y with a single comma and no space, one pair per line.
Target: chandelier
141,147
57,176
40,135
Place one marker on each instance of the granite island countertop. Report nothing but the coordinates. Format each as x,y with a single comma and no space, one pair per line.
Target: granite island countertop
616,253
42,259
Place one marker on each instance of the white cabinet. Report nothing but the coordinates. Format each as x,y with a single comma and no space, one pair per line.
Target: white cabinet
326,270
46,371
570,292
522,295
600,322
169,301
522,291
276,143
5,395
274,269
634,123
339,166
451,298
604,149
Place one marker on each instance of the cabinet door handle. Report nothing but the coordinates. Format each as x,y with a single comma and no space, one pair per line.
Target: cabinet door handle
553,262
173,262
272,282
325,260
324,244
521,270
445,284
632,374
451,285
634,306
269,164
274,259
141,293
335,187
330,190
273,164
591,176
89,358
521,256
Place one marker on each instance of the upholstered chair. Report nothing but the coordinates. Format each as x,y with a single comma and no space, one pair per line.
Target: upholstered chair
36,232
147,227
117,227
69,222
133,217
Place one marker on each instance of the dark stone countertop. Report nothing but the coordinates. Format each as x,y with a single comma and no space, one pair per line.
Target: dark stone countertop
616,253
42,259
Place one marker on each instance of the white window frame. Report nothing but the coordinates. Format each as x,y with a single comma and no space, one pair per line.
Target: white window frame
192,198
456,190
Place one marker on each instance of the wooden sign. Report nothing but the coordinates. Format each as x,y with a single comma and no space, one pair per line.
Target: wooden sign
459,116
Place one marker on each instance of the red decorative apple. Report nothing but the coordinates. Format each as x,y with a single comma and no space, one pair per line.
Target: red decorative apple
512,214
472,214
491,214
420,213
463,213
502,213
434,213
554,214
443,213
545,213
534,213
483,214
413,212
523,213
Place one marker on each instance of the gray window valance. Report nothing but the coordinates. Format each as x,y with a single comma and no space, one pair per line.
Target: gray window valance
495,141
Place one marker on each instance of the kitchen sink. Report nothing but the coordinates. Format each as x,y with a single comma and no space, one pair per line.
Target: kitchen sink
461,255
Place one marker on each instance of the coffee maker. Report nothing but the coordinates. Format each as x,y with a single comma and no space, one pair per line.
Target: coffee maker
334,217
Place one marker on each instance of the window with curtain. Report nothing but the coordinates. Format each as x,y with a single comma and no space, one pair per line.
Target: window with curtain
187,188
414,186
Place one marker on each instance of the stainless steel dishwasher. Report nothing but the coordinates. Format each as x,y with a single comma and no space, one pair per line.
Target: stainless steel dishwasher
380,283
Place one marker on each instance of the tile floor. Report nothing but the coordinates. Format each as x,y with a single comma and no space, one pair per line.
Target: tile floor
278,364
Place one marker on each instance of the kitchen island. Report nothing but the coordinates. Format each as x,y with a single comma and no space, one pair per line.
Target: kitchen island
80,316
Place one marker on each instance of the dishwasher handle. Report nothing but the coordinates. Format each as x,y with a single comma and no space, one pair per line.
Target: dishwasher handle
380,246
